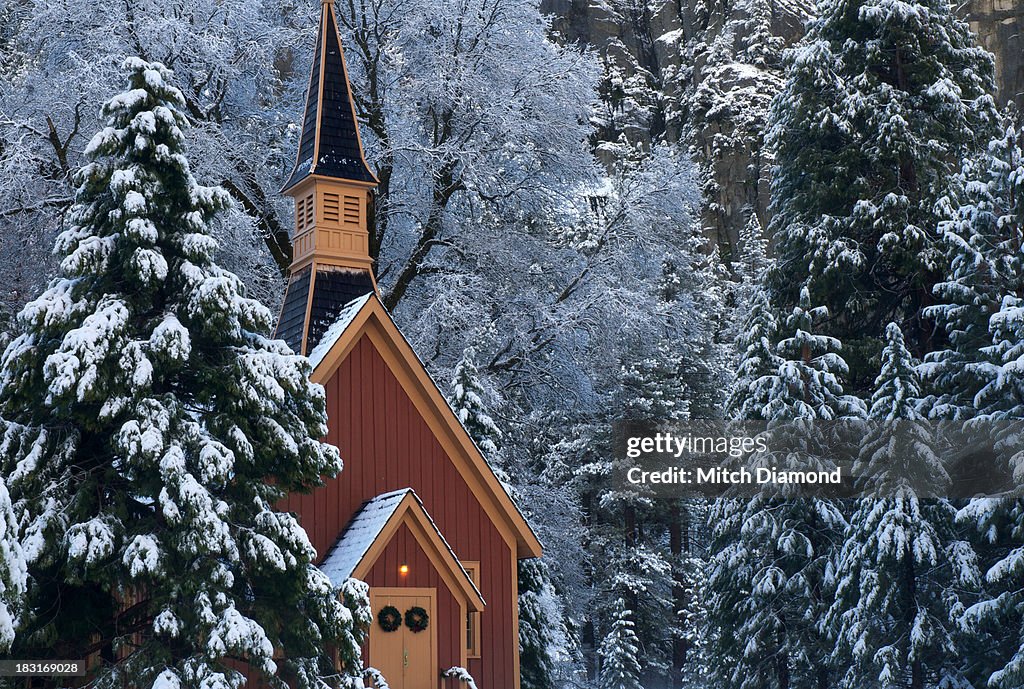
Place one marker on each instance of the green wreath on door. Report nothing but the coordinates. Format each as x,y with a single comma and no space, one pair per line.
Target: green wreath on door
417,619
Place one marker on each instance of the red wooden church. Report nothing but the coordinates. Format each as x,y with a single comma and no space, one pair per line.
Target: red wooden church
417,513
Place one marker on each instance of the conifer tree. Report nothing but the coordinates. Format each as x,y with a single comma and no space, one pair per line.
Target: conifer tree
810,378
981,240
536,638
13,571
468,403
651,390
760,46
882,101
772,552
539,614
1002,398
691,608
757,370
753,264
150,425
627,523
997,620
994,625
755,336
619,666
901,565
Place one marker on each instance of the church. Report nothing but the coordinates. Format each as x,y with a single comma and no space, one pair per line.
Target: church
417,512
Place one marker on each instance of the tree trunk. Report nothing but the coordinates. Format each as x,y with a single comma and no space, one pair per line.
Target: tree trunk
677,532
782,666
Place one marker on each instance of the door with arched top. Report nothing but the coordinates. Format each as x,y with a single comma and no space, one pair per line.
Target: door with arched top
406,658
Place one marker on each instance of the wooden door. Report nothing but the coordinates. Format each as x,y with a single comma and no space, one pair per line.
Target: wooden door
406,659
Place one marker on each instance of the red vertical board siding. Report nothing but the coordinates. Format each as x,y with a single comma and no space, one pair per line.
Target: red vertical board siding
386,445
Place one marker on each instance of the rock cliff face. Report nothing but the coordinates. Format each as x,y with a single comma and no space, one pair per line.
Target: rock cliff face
999,25
669,62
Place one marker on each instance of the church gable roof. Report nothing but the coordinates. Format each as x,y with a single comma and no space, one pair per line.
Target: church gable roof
373,527
368,317
330,145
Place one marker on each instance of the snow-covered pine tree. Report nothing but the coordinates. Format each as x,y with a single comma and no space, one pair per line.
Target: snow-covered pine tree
1003,398
538,608
651,390
882,101
968,296
999,521
626,523
901,566
810,379
994,625
539,611
771,553
752,264
149,427
684,520
760,46
729,107
755,330
620,668
758,365
981,240
730,566
468,402
13,571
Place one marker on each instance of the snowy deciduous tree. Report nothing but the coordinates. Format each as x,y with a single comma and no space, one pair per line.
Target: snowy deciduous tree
882,100
470,111
619,649
238,67
556,306
13,571
149,427
901,566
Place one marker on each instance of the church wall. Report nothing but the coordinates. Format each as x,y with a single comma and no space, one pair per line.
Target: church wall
386,445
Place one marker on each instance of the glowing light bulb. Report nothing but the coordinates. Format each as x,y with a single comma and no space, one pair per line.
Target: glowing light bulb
403,570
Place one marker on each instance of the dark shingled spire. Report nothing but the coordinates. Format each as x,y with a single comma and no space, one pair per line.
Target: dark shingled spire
333,288
330,148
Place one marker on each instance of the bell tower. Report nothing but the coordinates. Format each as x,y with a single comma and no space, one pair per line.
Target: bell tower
333,190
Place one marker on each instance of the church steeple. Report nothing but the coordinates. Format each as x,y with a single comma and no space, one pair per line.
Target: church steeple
332,186
330,145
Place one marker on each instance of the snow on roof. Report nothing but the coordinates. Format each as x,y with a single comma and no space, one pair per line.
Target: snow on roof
345,317
362,531
366,527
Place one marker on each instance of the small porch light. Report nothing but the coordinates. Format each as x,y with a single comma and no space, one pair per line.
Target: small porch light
403,569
